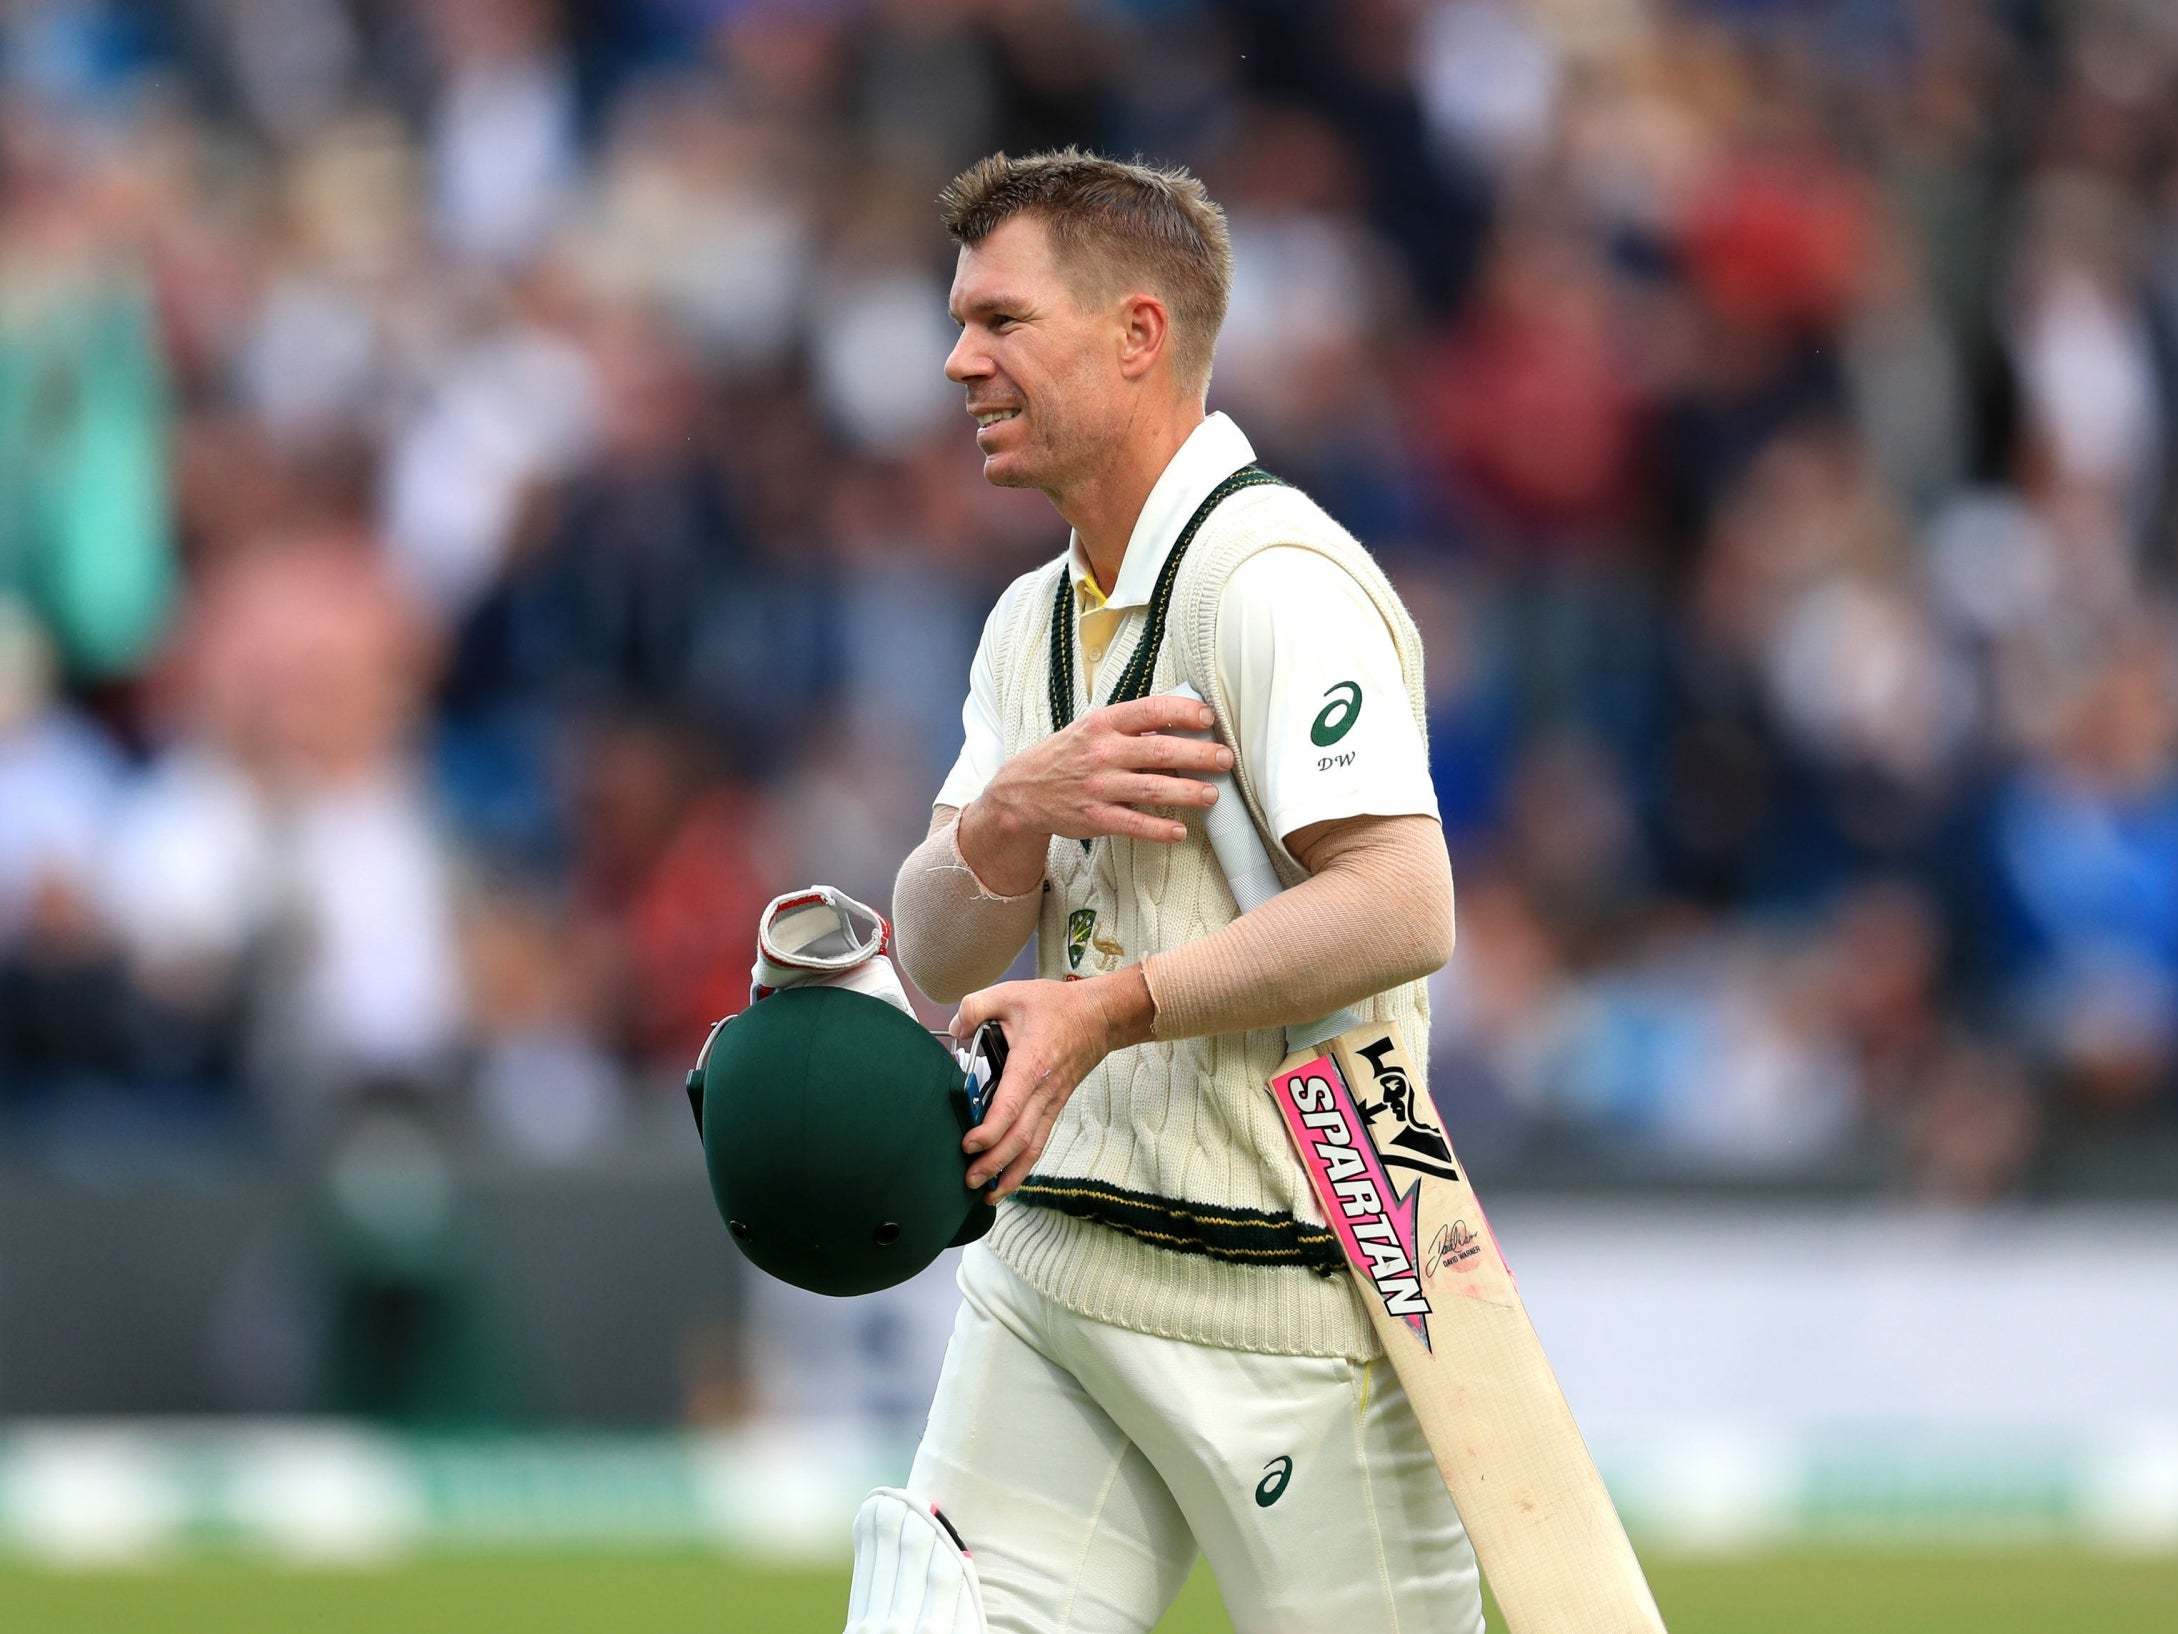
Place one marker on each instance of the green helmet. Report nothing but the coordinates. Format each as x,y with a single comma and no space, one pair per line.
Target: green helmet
831,1126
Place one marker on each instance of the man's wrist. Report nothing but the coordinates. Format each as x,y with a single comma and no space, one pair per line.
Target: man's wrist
1002,858
1130,1013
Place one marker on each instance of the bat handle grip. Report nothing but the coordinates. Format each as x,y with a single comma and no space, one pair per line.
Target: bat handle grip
1245,859
1232,833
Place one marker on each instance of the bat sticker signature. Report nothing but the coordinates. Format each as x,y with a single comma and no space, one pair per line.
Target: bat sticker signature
1454,1244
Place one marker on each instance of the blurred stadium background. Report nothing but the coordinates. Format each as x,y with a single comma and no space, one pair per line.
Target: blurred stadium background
480,513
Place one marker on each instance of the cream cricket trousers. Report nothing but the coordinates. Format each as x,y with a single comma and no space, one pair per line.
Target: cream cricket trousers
1084,1465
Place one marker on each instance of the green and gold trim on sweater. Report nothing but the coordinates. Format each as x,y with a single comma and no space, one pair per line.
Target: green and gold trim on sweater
1238,1236
1134,680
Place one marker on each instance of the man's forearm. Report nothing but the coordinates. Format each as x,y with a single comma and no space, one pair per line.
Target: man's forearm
1375,913
958,930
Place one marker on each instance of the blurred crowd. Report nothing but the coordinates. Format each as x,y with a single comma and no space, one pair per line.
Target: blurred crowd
481,512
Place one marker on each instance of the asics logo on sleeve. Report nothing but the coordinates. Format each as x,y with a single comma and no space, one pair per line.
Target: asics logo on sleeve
1338,716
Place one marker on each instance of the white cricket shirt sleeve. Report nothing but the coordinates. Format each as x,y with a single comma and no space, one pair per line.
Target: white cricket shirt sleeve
983,746
1312,675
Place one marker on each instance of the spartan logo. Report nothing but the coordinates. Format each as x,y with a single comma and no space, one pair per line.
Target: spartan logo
1413,1143
1080,925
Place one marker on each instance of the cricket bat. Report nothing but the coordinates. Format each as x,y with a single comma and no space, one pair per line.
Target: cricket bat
1445,1306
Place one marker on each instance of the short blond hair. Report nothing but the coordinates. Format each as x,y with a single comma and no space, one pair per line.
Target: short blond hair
1122,225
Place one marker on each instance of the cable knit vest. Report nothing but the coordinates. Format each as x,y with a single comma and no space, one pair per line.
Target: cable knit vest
1168,1200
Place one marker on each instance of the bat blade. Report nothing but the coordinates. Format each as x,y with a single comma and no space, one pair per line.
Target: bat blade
1450,1316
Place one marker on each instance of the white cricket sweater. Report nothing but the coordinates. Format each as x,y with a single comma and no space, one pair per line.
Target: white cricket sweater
1168,1199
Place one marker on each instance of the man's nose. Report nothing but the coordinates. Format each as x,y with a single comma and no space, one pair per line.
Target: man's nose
966,361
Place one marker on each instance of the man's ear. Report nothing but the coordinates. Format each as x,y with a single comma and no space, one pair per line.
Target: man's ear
1145,334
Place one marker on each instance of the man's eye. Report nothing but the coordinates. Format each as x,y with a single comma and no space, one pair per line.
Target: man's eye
1004,320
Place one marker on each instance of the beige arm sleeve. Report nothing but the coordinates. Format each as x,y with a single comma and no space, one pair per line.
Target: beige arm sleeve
954,934
1375,912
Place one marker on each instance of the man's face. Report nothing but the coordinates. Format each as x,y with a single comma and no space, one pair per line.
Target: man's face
1040,368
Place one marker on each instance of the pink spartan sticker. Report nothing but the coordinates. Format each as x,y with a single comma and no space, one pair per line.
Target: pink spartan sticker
1375,1225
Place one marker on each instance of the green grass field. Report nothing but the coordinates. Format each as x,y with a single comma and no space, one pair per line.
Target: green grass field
1830,1592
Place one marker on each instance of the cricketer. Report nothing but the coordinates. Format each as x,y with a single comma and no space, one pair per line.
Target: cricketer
1158,1349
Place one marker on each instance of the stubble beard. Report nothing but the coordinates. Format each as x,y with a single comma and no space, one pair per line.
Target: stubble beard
1072,456
1049,462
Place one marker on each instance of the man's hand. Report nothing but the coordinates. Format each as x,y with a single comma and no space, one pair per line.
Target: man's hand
1088,780
1056,1033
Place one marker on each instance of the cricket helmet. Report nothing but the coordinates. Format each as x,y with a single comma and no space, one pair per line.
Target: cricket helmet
831,1126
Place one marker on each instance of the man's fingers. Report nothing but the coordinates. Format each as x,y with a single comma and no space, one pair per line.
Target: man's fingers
1014,1158
977,1008
1160,713
1141,825
1162,752
1032,1148
998,1113
998,1139
1143,789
